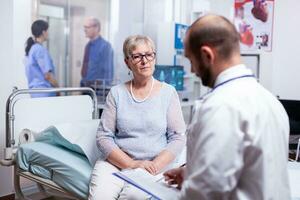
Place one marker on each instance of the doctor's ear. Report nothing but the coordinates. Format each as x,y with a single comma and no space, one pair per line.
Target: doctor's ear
207,54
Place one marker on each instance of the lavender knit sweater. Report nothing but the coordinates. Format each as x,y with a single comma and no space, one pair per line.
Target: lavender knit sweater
141,129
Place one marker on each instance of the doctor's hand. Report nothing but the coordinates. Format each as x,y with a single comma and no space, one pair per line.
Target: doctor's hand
145,164
174,176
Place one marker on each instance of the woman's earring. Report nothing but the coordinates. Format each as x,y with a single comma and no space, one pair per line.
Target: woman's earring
129,73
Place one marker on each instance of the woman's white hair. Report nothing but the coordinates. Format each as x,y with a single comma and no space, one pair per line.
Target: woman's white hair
133,41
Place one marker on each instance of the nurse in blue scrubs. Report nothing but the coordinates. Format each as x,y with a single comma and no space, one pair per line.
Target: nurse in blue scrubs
38,63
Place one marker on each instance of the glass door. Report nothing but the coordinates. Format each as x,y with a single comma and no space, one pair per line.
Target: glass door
57,17
66,35
58,49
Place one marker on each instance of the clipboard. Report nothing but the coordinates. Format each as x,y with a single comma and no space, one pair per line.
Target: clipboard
152,185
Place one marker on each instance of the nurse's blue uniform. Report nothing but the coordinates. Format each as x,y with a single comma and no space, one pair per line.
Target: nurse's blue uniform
38,63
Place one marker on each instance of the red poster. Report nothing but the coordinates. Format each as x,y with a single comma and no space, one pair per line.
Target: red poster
254,22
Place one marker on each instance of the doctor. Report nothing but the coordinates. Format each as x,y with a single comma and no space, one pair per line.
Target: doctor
237,144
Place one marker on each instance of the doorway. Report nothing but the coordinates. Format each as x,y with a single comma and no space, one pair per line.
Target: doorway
67,40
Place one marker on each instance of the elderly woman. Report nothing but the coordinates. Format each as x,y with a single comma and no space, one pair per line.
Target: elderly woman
141,126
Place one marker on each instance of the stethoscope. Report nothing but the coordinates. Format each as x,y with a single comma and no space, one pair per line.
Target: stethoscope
227,81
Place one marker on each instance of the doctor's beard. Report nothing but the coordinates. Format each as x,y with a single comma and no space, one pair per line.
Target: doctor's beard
206,75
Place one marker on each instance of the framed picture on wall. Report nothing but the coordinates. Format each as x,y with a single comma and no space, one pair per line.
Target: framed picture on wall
253,20
180,30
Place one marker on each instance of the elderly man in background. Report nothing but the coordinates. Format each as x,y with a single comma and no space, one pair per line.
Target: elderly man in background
98,55
237,145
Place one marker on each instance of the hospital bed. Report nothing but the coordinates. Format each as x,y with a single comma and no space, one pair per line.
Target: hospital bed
49,165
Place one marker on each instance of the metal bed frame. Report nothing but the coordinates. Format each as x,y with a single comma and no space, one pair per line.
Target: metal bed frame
101,87
11,148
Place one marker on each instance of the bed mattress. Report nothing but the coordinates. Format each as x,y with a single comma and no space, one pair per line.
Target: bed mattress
66,168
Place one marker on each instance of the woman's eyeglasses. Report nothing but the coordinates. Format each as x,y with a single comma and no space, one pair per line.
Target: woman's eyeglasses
138,57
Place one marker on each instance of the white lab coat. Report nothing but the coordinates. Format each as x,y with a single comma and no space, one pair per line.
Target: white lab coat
237,144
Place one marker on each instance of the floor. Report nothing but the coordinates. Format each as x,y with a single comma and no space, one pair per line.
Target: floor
41,196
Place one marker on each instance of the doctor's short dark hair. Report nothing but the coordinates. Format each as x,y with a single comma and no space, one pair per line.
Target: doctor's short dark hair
215,31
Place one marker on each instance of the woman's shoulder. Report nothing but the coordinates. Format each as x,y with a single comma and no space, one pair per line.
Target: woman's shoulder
38,48
117,89
118,93
167,93
167,88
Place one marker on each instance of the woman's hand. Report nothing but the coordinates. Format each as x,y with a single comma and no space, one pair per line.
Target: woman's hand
145,164
174,176
50,77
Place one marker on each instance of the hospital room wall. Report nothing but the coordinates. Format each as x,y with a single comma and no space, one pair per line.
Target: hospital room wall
141,17
286,50
6,58
15,18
